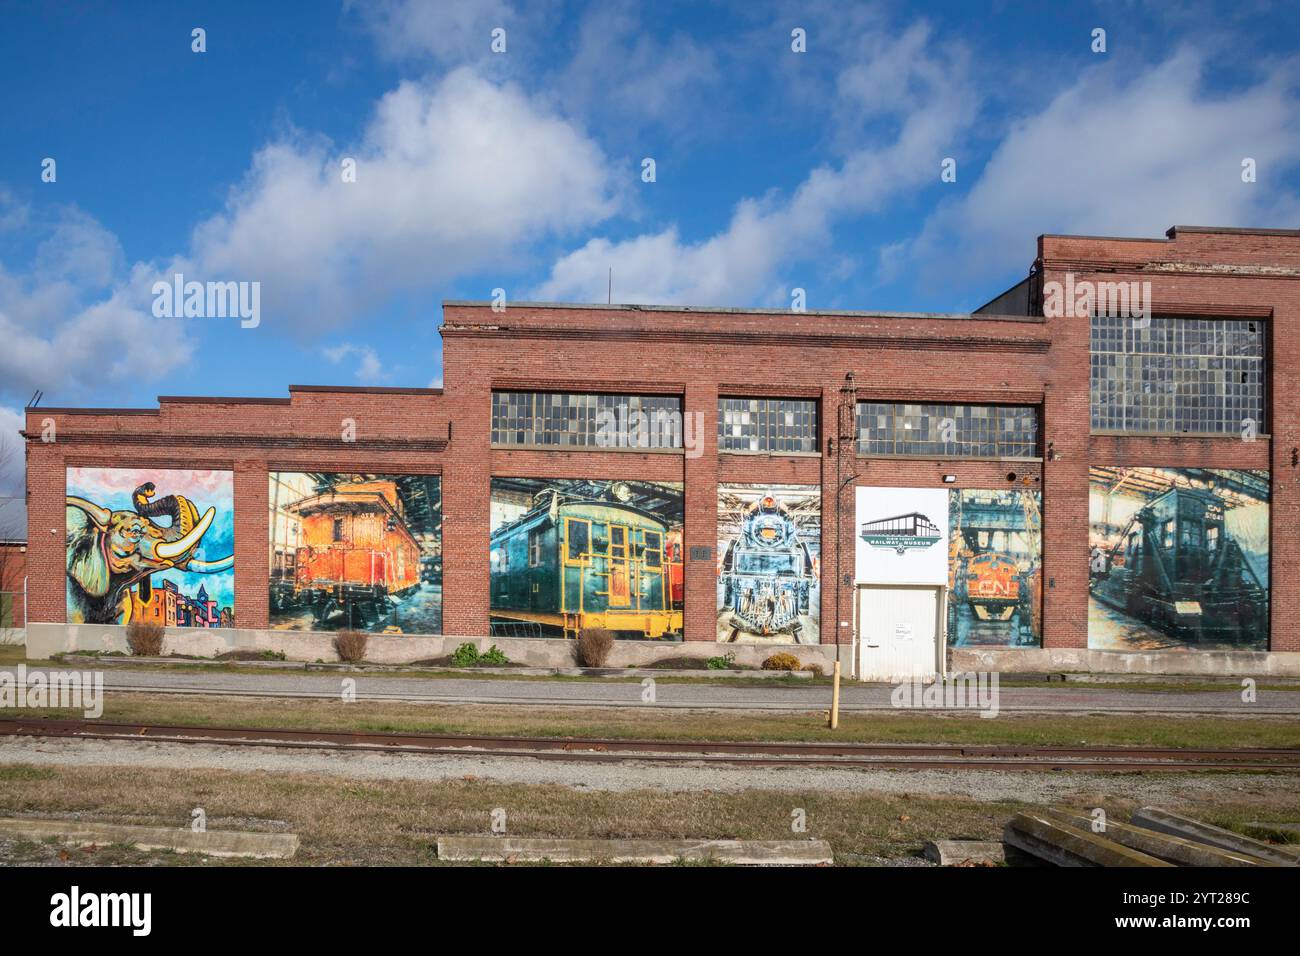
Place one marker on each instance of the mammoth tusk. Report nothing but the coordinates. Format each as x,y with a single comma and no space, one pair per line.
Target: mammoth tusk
211,567
100,515
167,550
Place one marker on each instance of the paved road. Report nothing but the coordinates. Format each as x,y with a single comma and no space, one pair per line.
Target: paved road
1074,698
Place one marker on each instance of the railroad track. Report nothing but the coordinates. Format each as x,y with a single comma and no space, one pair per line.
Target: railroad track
607,750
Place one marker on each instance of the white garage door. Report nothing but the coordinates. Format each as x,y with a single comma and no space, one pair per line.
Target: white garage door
899,632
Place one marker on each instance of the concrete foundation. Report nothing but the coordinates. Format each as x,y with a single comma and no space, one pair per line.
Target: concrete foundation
46,640
1053,660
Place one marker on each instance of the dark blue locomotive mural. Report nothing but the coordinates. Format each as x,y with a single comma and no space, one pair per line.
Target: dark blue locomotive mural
769,563
1179,559
568,555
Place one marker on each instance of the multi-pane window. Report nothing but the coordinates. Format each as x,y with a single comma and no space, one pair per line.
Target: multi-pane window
1197,376
947,431
767,424
571,420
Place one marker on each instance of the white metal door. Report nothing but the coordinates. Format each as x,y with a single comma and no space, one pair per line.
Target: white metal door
899,632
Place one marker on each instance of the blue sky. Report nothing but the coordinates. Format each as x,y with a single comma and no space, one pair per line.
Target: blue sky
522,170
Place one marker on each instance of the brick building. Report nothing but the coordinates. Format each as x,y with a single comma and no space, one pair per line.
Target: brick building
1115,489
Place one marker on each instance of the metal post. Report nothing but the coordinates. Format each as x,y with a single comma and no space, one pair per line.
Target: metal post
835,698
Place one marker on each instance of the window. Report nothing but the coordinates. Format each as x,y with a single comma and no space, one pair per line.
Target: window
573,420
338,529
534,548
1194,376
947,431
577,532
767,424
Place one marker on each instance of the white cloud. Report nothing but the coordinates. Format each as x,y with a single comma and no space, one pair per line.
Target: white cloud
369,370
448,31
452,176
921,115
1125,155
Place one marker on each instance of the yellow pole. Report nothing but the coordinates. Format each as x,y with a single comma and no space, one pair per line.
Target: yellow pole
835,698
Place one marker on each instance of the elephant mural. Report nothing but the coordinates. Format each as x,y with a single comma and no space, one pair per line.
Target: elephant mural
111,550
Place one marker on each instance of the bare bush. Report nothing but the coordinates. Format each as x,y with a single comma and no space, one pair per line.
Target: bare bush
594,645
351,645
145,638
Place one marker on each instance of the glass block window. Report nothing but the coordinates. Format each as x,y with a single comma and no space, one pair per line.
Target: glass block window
1198,376
947,431
767,424
569,420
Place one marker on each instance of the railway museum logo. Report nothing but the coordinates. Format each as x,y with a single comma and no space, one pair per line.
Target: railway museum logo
74,690
74,908
975,690
1083,299
901,533
622,427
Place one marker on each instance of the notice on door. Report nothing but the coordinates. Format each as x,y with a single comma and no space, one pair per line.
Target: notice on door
902,632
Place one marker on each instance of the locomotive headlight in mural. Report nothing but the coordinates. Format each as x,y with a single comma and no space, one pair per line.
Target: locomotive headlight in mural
567,555
1179,559
769,543
133,555
359,551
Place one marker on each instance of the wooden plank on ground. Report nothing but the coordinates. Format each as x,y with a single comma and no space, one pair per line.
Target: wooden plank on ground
1063,845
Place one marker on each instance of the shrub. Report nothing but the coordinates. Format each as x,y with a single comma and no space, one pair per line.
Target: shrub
725,662
276,655
594,645
465,656
814,669
781,662
351,645
494,657
145,638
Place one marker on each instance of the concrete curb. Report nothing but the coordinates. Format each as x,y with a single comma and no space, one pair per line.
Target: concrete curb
542,849
262,846
86,660
960,852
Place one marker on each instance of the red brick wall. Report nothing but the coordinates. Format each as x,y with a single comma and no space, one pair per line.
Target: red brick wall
701,354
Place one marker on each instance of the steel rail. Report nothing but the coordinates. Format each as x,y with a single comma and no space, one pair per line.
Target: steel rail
834,754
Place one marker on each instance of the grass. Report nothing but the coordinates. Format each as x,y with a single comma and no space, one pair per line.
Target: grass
650,722
393,822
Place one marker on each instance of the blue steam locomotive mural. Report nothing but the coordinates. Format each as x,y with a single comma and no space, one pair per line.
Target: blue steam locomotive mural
568,555
769,554
1179,559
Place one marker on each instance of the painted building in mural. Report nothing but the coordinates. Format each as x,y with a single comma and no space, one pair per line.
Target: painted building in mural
566,555
151,545
357,551
1179,559
769,572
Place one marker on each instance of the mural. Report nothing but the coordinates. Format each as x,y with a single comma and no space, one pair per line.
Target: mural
150,544
1179,559
902,536
769,563
357,551
570,554
994,565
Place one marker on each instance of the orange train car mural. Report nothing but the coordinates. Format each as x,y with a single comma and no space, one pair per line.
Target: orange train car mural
356,551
